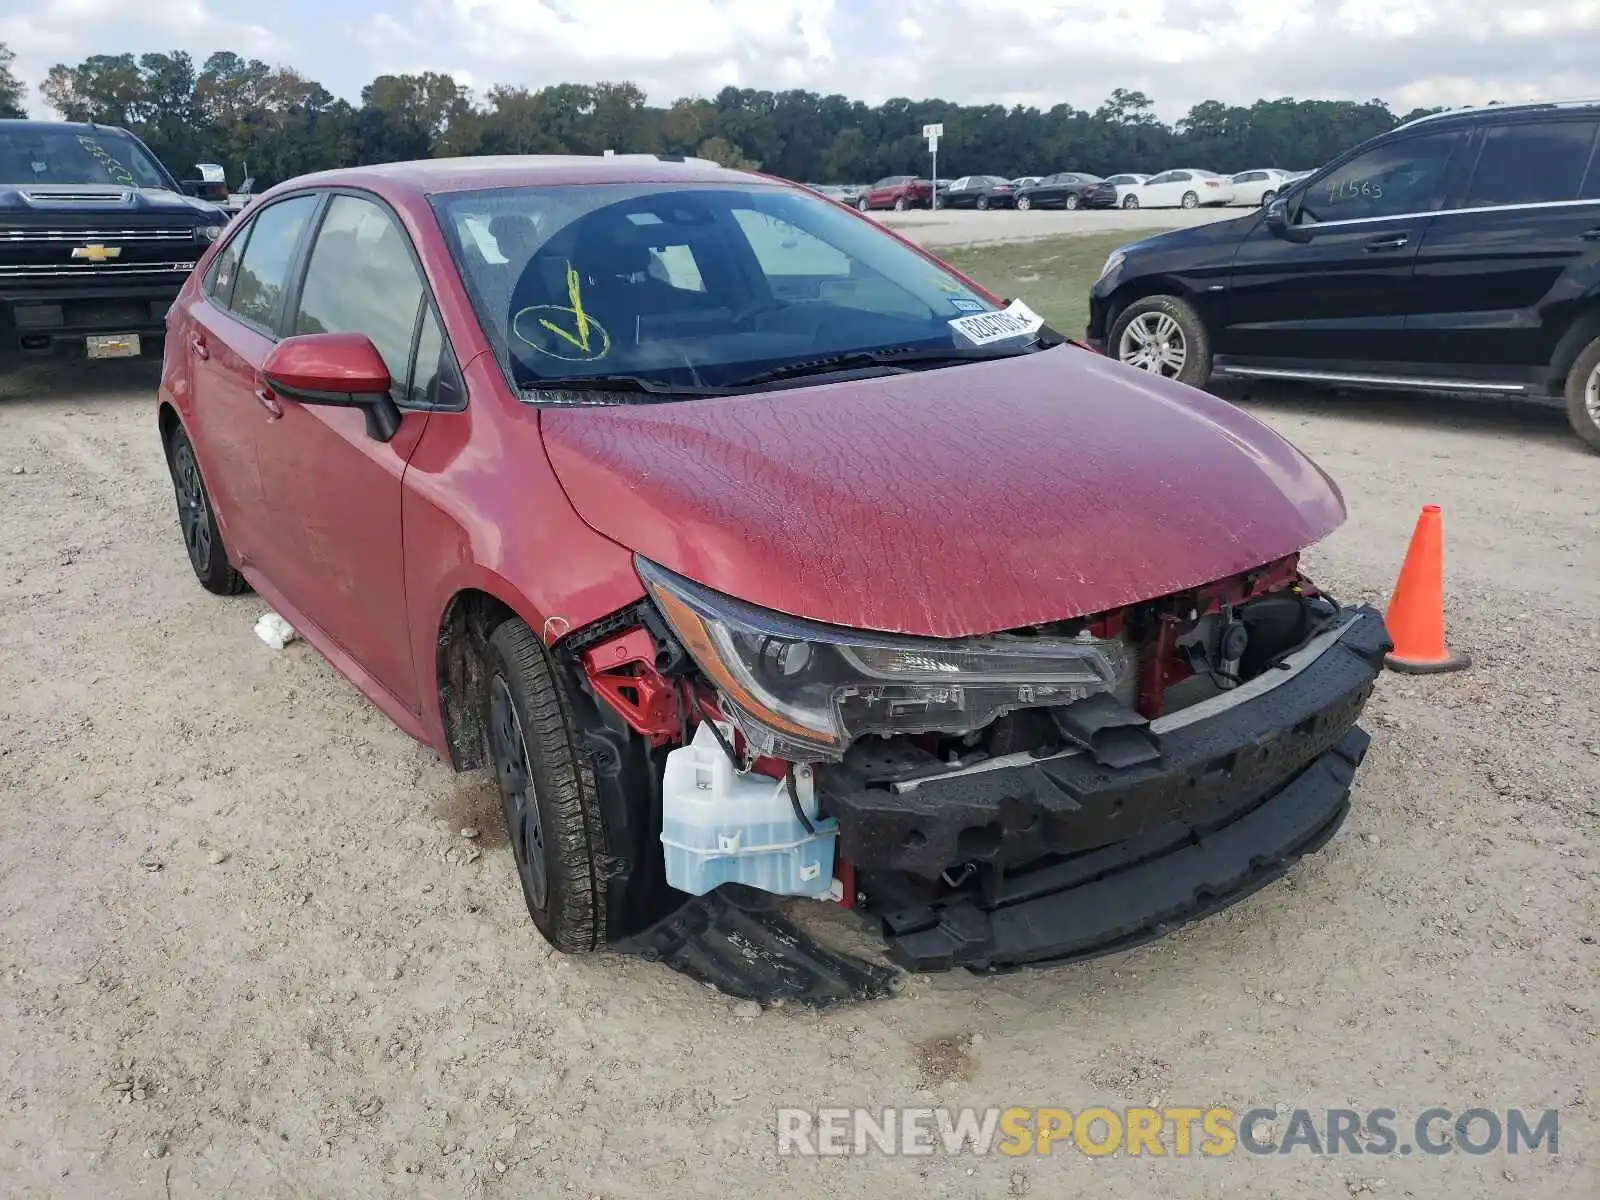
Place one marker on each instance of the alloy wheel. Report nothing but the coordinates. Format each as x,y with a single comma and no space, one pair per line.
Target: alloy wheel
1154,342
509,750
1024,204
194,513
1591,395
1072,200
1130,202
1190,200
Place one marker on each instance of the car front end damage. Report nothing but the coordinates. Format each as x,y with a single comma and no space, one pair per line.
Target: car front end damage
1039,795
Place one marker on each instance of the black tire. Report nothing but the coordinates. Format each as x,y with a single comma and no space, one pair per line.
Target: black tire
1072,200
862,205
1196,368
1190,200
1130,202
1583,395
547,792
983,204
1267,198
197,520
900,204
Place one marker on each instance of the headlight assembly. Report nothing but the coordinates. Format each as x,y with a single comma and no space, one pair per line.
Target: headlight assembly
208,233
1113,261
803,691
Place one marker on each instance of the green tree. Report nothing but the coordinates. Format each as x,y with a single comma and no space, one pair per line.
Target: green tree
11,89
726,154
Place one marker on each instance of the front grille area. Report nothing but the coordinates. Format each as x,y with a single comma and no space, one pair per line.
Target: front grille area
99,197
81,237
87,271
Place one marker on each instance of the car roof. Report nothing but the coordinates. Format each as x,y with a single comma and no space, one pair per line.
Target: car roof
415,180
10,123
1488,112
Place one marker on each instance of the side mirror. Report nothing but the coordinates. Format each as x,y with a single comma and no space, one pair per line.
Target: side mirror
343,370
1279,225
205,189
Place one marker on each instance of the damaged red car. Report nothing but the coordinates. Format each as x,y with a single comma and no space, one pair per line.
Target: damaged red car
760,554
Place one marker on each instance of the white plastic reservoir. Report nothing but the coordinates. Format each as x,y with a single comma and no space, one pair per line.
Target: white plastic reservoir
718,826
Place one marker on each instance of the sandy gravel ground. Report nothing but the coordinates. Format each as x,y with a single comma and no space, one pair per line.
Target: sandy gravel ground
246,950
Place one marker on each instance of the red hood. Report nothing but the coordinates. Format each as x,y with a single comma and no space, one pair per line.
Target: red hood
959,501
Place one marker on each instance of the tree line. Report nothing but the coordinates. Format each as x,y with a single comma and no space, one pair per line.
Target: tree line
275,123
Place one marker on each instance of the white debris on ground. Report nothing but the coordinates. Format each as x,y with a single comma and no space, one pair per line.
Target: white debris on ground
275,631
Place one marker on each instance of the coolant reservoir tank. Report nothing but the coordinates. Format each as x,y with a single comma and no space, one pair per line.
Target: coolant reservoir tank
718,826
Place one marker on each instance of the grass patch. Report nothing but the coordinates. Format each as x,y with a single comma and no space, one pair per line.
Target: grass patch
1051,274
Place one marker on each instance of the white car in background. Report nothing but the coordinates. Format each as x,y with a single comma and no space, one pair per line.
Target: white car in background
1260,186
1124,184
1186,187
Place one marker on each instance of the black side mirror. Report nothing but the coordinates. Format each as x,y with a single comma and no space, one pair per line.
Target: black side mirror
1280,226
205,189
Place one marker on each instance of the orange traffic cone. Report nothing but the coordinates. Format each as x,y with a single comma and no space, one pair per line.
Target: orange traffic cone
1416,610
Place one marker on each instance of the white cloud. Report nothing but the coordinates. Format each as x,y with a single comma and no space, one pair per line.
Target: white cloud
1044,52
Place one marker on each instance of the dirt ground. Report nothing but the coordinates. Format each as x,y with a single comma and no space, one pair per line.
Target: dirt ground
245,948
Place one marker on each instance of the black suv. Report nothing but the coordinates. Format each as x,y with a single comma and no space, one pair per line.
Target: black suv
1457,253
96,238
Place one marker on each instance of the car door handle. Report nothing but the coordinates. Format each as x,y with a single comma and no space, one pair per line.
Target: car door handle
198,345
1388,243
269,402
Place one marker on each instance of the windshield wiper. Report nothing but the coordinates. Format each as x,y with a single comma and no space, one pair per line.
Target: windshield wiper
905,356
639,385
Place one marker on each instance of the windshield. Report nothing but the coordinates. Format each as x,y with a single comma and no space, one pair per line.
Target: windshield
700,285
57,155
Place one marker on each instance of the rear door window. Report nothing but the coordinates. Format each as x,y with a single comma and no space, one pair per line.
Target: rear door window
257,294
1534,163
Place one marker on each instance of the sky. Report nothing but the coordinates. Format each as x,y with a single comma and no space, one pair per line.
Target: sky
1040,52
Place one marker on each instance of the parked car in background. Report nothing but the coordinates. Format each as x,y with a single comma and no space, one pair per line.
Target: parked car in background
1069,189
979,191
898,192
1124,183
1024,181
237,201
1253,188
840,192
1188,187
96,238
667,520
1459,253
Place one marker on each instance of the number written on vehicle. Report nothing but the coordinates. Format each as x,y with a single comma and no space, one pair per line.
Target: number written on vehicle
1354,189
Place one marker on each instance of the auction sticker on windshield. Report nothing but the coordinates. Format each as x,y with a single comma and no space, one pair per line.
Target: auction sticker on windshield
1015,320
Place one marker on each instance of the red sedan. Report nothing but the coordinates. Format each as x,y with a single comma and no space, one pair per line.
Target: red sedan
758,552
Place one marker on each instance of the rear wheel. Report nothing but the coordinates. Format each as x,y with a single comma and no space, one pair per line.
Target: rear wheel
1583,395
862,205
983,203
1130,202
900,204
547,792
1164,336
202,536
1190,200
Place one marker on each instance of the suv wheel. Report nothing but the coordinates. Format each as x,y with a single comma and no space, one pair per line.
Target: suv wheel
1130,202
1165,336
900,204
1583,395
1190,200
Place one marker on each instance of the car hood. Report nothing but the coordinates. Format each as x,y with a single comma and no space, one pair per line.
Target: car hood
56,198
959,501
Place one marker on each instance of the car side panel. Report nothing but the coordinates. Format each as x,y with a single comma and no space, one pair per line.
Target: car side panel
482,509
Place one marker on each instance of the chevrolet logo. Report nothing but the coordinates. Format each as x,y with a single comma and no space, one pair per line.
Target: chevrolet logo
96,253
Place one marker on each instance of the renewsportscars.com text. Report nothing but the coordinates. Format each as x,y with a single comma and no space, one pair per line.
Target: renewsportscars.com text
1159,1132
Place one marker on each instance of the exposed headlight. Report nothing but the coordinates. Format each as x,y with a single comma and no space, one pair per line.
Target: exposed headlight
1113,261
803,691
208,233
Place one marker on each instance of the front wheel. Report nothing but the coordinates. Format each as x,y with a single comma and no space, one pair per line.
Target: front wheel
1130,202
900,204
202,536
547,792
1267,198
1024,204
1165,336
983,204
1190,200
1072,200
863,206
1583,395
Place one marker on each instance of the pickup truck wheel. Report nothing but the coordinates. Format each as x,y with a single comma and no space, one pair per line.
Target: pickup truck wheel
1165,336
1583,395
862,205
1190,200
547,791
197,520
900,204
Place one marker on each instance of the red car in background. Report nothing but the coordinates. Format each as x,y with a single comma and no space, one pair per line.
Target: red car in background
757,552
898,192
